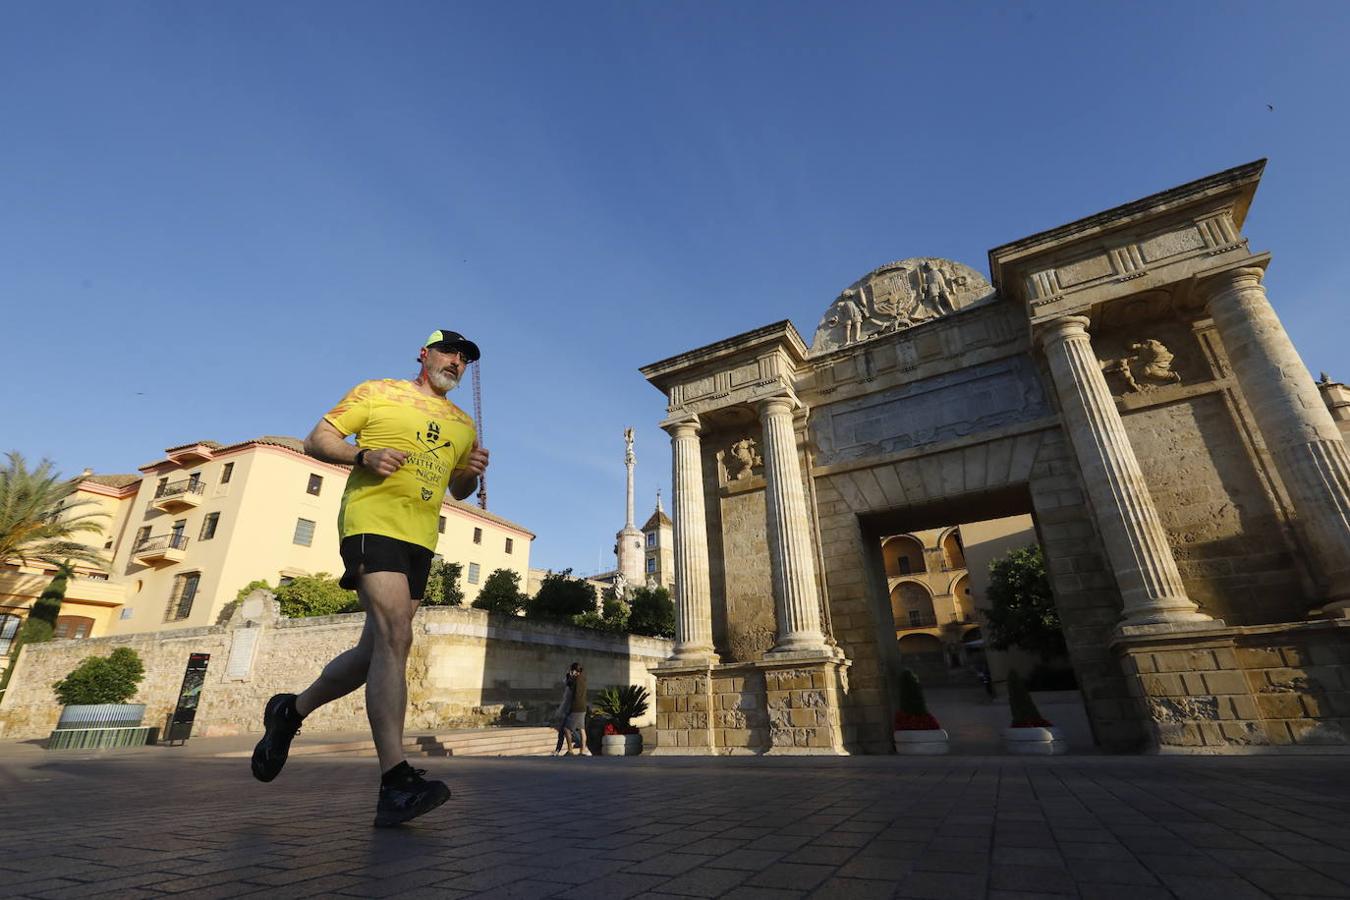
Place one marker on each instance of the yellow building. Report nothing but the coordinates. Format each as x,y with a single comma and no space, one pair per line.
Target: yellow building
931,601
92,599
208,519
658,537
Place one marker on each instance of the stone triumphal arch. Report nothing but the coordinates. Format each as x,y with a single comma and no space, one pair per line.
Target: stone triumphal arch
1123,379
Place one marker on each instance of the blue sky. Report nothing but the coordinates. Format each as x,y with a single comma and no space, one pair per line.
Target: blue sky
216,218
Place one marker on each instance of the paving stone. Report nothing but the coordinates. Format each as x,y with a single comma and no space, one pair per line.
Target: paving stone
1041,879
791,876
853,889
942,886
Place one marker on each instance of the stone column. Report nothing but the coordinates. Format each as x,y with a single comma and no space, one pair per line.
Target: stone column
1300,433
693,595
795,594
1136,543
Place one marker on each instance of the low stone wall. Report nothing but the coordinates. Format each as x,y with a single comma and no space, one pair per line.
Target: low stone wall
1229,689
466,668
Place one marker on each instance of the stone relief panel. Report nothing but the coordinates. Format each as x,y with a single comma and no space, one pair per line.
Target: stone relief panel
896,296
750,618
1138,359
741,460
945,407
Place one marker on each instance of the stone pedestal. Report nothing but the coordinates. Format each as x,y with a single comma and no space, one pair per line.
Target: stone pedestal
1240,689
1136,544
693,594
1302,437
786,707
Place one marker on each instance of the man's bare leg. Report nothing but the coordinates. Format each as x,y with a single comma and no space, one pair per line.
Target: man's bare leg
389,609
344,673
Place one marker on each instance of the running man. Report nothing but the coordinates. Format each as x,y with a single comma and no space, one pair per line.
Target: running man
411,444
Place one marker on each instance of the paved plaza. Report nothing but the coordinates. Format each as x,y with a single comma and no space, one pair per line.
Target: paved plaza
162,821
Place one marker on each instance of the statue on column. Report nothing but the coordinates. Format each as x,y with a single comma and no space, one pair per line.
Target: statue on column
628,457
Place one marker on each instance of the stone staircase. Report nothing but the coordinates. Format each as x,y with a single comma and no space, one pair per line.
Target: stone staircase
513,741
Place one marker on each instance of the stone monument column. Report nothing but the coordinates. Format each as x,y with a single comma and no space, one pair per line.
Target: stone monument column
693,594
1136,543
1300,433
795,593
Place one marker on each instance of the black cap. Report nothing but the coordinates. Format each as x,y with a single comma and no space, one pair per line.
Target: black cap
453,340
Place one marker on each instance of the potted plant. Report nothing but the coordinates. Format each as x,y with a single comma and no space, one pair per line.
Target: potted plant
94,695
622,705
917,732
1030,733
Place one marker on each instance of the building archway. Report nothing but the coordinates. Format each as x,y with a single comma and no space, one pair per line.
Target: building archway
903,555
912,606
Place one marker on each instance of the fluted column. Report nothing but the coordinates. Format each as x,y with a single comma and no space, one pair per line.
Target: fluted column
693,595
795,594
1136,543
1303,439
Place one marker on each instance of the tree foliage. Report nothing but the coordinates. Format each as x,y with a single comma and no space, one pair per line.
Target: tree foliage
501,593
560,597
653,613
41,621
911,694
443,588
611,619
102,679
1022,609
315,595
37,522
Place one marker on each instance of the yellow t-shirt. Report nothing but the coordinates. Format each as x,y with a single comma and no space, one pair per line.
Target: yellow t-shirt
437,436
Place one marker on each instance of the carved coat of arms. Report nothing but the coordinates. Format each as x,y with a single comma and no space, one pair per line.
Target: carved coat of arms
895,296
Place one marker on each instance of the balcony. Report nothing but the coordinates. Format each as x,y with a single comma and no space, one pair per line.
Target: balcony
160,550
917,620
177,496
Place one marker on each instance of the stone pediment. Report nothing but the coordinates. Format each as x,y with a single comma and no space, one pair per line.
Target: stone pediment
897,296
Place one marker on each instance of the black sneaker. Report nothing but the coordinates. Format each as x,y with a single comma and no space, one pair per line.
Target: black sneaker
281,723
409,798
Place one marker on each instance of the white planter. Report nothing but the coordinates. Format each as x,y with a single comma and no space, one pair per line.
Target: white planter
621,745
928,742
1035,741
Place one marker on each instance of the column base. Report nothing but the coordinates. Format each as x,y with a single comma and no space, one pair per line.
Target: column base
1165,626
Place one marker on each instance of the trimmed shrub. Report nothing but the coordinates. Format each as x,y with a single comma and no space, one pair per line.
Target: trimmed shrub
102,679
1024,711
913,714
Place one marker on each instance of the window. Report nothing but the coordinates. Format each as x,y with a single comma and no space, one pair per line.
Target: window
473,573
142,535
510,545
184,592
915,617
304,532
194,479
285,579
651,539
209,526
651,564
478,535
9,626
73,627
315,484
126,613
440,526
226,472
904,564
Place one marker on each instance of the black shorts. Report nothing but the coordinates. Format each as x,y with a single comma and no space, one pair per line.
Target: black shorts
362,553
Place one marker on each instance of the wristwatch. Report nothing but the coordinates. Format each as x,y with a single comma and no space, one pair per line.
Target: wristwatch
361,456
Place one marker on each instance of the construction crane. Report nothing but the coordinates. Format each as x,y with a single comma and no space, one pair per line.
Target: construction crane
478,422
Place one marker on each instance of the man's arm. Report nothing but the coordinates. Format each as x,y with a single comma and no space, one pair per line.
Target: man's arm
465,481
328,444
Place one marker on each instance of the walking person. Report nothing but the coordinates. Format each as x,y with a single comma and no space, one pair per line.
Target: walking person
576,719
564,710
411,445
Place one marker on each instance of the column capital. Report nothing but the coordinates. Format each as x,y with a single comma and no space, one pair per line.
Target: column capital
1209,287
784,401
682,425
1061,329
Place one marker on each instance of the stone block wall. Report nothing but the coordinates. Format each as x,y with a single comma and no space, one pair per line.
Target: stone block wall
467,667
1234,688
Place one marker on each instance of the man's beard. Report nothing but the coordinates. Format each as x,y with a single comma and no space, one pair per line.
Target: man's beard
443,383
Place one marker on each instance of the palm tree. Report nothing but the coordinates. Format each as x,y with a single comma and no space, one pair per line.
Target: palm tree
37,525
